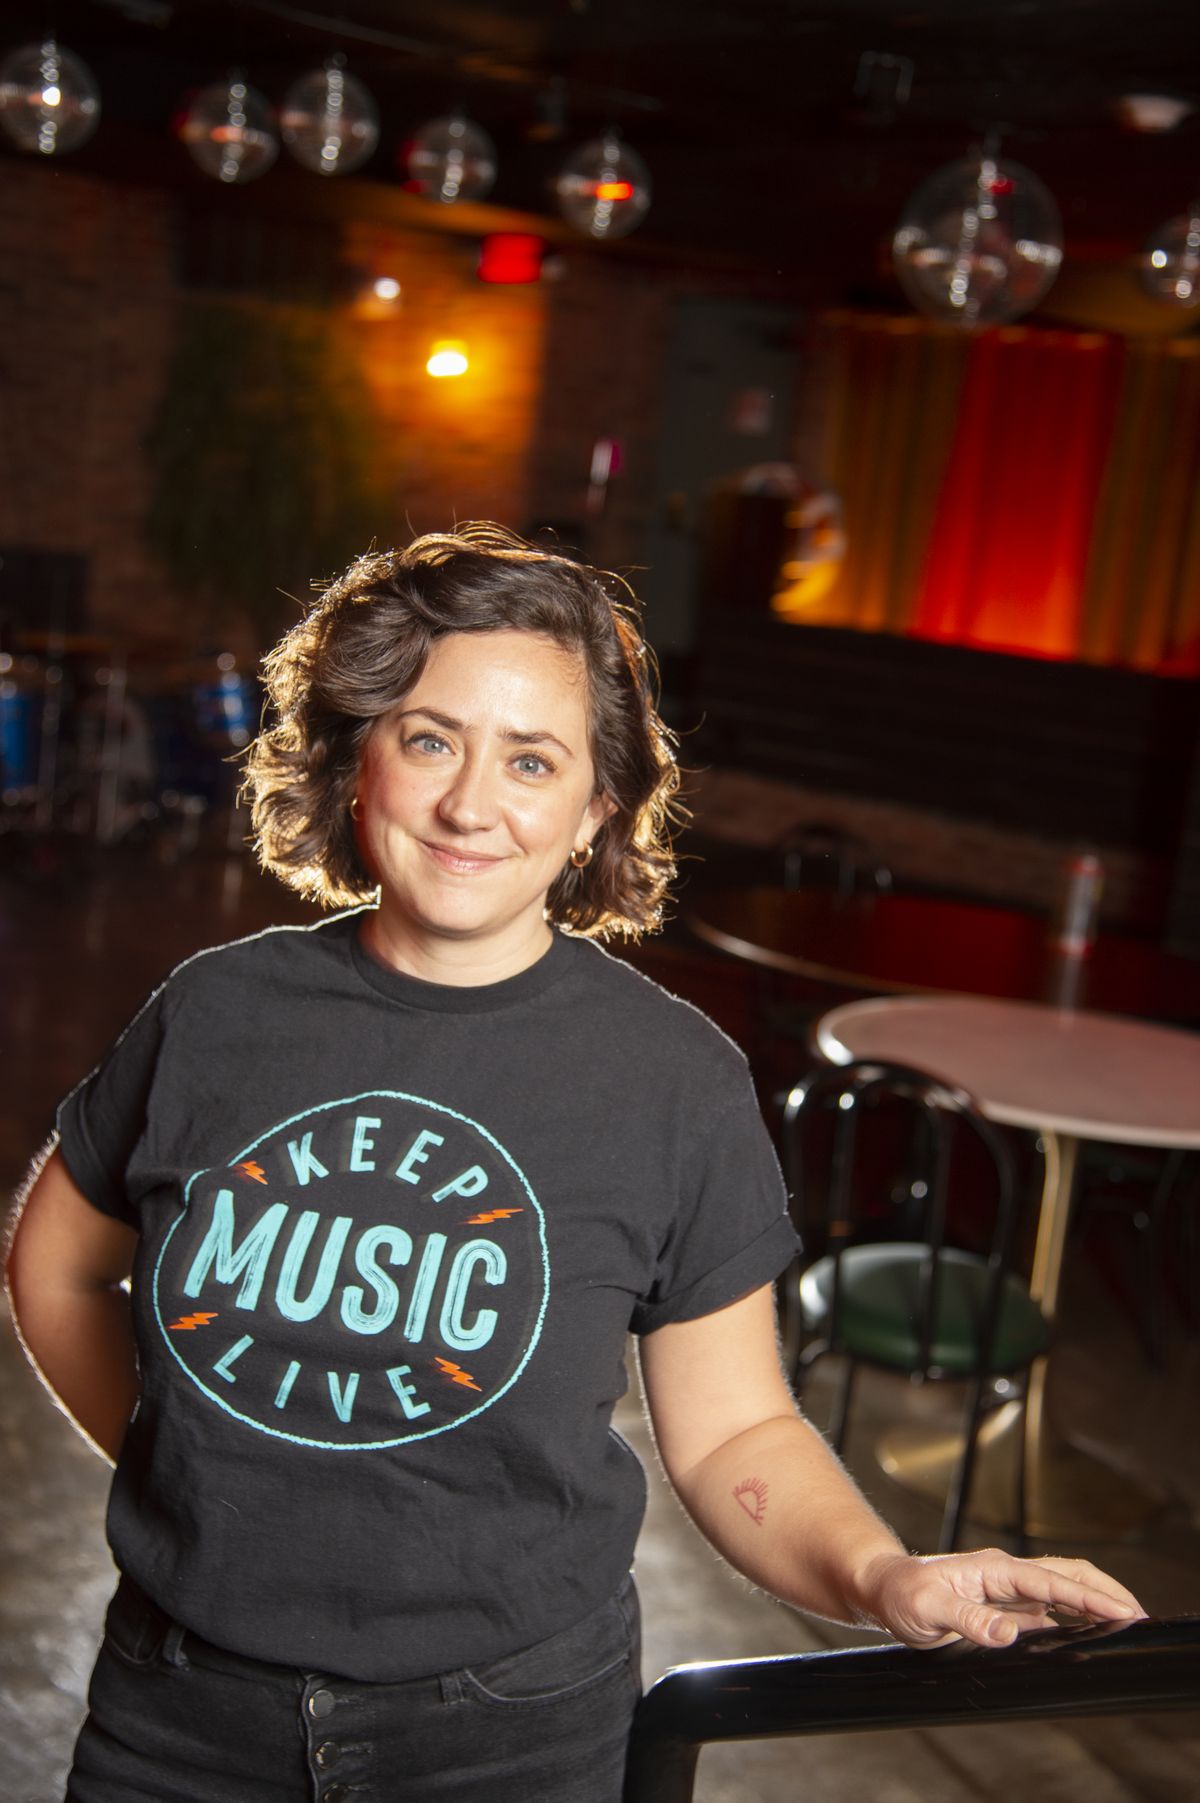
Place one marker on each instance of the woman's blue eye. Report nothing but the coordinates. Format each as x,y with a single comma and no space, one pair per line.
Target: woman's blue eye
427,741
531,764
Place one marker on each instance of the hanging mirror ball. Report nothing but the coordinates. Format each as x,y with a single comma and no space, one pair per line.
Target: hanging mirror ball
229,133
603,190
451,159
1169,267
49,100
979,243
329,122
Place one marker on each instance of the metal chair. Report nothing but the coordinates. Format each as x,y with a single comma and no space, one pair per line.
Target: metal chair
818,852
812,855
885,1288
1146,1189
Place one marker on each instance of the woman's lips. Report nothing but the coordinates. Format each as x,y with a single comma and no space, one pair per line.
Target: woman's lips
465,863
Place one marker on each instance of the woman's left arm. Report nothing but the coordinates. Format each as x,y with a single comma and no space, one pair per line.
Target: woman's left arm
762,1485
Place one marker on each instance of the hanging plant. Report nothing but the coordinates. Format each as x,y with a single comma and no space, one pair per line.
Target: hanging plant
264,474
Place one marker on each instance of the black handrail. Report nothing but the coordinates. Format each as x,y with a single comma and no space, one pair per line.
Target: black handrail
1056,1671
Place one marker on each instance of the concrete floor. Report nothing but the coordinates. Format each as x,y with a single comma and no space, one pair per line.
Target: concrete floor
79,945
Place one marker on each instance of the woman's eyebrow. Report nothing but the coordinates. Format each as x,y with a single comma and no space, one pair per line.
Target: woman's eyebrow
537,738
512,736
447,721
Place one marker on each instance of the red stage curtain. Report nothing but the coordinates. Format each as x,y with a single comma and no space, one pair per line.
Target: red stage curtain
1008,552
1142,596
1025,490
887,390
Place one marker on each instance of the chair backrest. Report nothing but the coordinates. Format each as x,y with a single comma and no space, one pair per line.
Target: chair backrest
829,856
941,1127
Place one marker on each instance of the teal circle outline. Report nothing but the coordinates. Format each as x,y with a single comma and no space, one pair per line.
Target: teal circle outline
428,1433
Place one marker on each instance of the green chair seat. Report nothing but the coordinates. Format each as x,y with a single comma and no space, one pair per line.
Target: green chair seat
879,1309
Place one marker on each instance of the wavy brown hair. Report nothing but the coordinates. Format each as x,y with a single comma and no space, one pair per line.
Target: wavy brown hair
361,647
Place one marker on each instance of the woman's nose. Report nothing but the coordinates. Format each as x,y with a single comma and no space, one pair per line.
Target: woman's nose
469,802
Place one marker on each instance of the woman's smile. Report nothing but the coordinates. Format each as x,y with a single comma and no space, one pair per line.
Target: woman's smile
459,861
473,793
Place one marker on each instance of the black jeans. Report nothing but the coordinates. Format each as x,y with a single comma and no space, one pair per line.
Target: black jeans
174,1720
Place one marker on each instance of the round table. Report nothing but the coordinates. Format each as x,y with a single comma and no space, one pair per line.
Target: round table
901,943
1069,1076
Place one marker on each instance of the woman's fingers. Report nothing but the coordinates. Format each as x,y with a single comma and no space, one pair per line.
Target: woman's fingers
1097,1582
990,1597
1072,1584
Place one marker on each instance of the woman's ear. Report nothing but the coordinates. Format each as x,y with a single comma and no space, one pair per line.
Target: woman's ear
600,808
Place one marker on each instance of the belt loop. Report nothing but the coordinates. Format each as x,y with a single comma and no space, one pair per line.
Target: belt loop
172,1647
451,1686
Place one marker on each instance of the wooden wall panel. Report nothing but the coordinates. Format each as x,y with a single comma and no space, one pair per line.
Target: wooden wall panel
1069,751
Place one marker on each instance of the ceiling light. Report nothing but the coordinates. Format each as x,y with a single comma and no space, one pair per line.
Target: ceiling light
49,100
979,242
329,121
229,131
448,358
450,159
1169,268
603,190
1152,112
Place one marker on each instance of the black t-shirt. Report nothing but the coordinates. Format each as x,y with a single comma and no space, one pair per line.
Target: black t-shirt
392,1237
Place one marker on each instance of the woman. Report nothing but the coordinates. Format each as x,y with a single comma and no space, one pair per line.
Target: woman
393,1190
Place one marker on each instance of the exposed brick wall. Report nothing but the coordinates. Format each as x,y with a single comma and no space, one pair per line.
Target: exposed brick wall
88,303
458,449
85,329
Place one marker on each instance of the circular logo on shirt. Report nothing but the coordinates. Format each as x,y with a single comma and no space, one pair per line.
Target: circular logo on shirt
370,1272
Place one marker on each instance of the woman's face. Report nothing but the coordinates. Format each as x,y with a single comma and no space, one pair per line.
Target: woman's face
473,793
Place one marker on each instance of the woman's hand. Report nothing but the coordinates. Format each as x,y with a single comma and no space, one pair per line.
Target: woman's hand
727,1433
987,1597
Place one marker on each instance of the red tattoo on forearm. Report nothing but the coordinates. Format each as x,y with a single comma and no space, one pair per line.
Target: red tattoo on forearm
751,1495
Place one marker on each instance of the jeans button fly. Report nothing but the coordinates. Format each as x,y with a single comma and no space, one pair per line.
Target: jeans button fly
337,1793
326,1753
321,1703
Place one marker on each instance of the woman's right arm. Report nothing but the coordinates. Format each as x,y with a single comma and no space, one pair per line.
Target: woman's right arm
66,1269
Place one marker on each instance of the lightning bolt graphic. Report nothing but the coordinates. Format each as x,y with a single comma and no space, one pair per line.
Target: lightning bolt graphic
457,1375
492,1214
252,1170
186,1323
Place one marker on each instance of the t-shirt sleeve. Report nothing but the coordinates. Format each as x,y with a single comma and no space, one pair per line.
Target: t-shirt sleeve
731,1232
103,1118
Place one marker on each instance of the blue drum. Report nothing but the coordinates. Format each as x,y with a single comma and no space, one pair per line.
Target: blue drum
226,709
201,715
20,732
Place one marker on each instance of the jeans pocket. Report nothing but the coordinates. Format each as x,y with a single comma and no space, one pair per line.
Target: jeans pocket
134,1627
566,1664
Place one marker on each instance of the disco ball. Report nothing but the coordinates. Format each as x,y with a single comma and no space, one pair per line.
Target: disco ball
229,132
451,159
329,121
604,188
49,101
1169,267
979,243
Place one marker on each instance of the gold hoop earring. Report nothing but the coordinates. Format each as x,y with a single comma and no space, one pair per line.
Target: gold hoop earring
581,859
355,808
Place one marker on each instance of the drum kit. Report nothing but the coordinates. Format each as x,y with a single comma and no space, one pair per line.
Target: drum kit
114,742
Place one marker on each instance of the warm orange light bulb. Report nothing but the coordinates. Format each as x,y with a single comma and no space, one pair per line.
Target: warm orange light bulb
614,190
448,358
